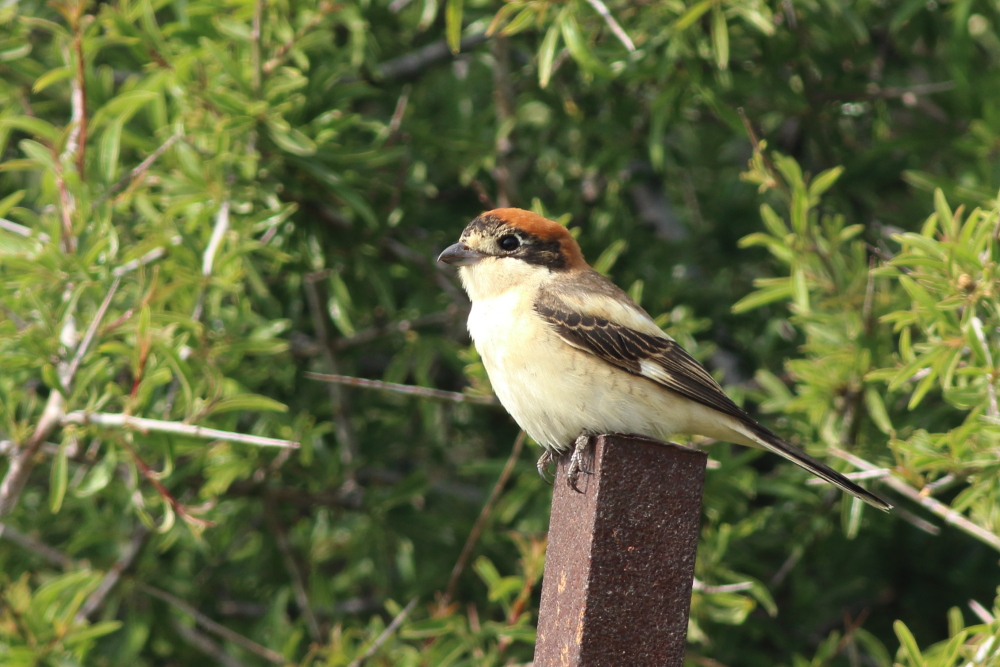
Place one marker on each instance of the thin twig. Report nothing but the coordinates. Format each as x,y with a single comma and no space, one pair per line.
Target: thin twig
219,230
980,611
412,390
143,424
339,406
21,465
948,514
79,99
138,172
206,645
298,581
702,587
96,599
391,628
43,550
21,230
620,33
397,115
212,626
411,64
134,264
484,514
864,474
993,410
88,338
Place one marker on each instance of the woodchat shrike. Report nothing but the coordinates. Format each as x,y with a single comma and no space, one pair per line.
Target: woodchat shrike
570,355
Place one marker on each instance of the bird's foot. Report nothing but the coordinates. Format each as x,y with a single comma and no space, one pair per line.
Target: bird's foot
576,461
543,466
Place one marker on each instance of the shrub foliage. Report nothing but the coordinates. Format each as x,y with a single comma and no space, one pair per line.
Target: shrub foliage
205,203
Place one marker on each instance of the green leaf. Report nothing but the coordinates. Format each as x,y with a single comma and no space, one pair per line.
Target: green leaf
720,38
577,45
453,24
58,478
823,182
908,643
291,139
36,127
52,76
945,216
779,292
691,15
610,255
547,54
248,402
876,410
98,477
108,152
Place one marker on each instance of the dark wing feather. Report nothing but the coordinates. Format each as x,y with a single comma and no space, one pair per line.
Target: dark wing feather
627,348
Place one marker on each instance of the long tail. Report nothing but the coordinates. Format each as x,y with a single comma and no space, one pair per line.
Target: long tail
769,441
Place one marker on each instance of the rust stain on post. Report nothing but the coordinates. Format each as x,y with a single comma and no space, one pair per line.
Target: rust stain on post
620,559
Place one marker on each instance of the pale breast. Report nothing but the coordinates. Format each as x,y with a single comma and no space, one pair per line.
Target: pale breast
556,392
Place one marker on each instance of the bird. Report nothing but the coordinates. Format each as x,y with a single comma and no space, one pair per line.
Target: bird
570,355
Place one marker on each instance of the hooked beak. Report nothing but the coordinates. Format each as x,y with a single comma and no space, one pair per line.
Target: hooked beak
459,254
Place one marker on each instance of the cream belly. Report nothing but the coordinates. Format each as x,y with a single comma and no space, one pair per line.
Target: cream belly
555,392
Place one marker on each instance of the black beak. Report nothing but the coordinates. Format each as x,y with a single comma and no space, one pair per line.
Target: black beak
459,254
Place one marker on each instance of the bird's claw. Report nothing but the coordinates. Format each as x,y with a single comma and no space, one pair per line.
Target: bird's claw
543,467
576,462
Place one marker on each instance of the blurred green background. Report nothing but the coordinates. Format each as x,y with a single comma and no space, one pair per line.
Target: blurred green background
203,200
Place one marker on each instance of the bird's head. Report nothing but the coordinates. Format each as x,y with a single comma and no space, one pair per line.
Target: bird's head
509,247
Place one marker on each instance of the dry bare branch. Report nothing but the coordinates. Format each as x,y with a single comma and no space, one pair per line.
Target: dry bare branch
412,390
96,598
391,628
212,626
484,514
21,465
605,13
143,424
937,507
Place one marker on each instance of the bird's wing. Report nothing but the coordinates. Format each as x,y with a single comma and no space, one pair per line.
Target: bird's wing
662,360
657,358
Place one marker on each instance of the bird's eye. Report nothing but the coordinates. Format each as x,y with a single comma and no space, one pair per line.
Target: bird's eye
509,242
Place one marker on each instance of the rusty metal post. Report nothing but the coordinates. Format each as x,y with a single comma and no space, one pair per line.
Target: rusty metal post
620,559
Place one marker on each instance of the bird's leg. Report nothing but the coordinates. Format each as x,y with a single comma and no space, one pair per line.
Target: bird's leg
543,466
576,461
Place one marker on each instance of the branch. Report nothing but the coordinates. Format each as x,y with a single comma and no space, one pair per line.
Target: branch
39,548
411,64
134,264
937,507
219,230
212,626
96,599
412,390
79,100
391,628
21,465
142,424
205,644
702,587
298,581
484,514
88,338
21,230
977,326
339,408
139,171
620,33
